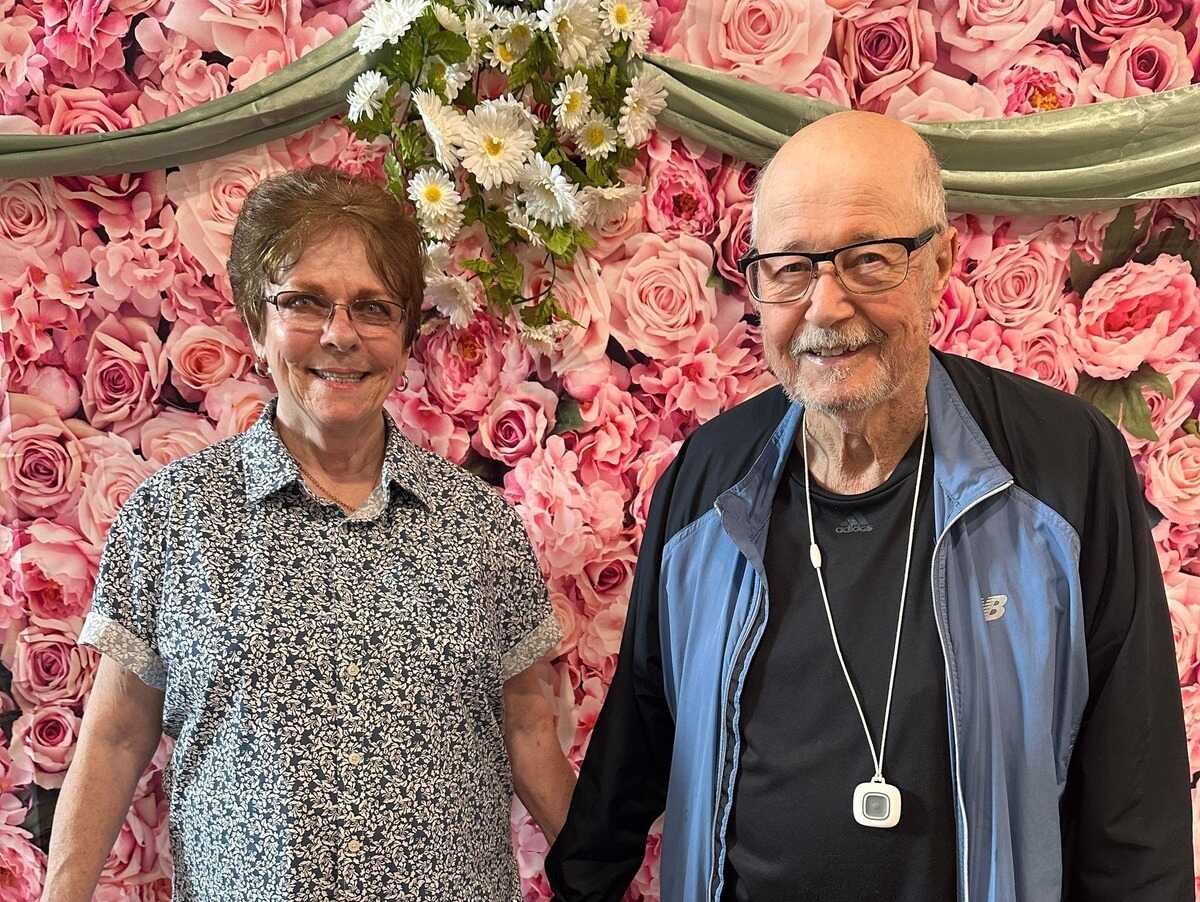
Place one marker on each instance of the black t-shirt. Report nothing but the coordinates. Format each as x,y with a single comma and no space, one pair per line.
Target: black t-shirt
793,836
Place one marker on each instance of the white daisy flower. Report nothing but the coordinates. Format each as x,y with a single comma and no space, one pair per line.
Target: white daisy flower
547,194
543,339
600,205
496,142
626,19
453,297
478,31
645,99
449,19
439,205
519,219
366,96
575,27
511,38
444,125
386,22
572,101
596,137
457,76
437,257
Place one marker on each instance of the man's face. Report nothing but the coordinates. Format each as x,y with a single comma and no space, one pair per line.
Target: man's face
835,350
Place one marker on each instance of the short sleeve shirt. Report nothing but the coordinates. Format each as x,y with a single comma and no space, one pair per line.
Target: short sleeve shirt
334,683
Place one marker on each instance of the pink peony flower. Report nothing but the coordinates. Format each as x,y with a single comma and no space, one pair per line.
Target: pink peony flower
208,196
1191,723
936,97
771,42
128,271
1047,356
1097,24
83,35
45,738
1089,242
112,472
41,458
1150,59
55,387
958,311
1172,473
1021,285
601,640
985,34
827,82
423,422
516,422
465,368
203,357
615,425
194,296
13,776
679,198
22,864
142,847
1038,78
21,63
331,143
226,25
661,296
645,881
589,701
989,342
50,668
1183,601
266,52
126,369
32,226
56,570
174,434
1179,546
884,48
235,405
182,78
1138,313
664,17
651,464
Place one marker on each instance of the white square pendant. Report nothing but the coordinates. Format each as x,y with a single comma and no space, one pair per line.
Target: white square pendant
877,804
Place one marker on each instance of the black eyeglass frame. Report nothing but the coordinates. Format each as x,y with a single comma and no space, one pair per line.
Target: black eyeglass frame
273,300
911,245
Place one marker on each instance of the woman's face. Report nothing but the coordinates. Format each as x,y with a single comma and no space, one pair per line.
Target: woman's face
335,378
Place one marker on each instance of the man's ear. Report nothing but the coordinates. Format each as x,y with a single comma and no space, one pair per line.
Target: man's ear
946,252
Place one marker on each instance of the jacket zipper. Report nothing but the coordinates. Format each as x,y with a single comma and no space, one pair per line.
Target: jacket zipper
965,896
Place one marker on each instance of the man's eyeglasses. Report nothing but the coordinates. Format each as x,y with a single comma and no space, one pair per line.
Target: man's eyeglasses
865,267
308,311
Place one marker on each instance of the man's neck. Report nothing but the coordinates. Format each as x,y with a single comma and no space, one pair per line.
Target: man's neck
855,451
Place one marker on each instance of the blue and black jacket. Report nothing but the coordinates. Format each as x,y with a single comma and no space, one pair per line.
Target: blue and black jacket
1068,757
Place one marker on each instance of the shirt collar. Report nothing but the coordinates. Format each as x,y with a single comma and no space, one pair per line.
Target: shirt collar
268,466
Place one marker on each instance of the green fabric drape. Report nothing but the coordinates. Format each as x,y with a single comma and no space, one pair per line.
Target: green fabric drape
1091,157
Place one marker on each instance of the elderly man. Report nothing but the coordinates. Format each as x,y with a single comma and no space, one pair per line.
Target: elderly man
898,630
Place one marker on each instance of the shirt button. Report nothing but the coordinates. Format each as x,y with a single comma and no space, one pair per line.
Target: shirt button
353,670
355,758
354,847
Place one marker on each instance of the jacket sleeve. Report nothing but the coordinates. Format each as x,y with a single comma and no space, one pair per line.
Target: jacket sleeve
1126,810
622,784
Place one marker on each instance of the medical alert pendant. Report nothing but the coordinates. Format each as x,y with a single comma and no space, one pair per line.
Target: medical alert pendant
877,804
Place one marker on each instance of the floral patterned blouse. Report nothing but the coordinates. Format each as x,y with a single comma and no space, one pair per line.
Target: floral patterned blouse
333,683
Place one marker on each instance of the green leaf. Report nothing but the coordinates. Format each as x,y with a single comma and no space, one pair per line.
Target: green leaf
452,48
498,230
1192,427
1124,401
410,56
1120,242
559,242
479,265
510,274
567,416
396,181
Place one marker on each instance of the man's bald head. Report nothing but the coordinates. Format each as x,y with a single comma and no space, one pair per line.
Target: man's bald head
863,144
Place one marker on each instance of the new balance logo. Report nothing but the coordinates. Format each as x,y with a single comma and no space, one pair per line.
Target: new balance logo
855,523
993,607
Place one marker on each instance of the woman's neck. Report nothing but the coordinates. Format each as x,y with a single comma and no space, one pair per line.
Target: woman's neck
350,456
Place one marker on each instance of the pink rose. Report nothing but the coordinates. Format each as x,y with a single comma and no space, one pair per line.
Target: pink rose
679,199
45,738
13,776
1047,356
516,422
1178,546
194,296
661,296
590,699
142,847
112,473
84,35
664,17
569,615
1191,722
1038,78
1183,601
1168,414
733,184
126,369
1021,285
645,881
235,406
465,368
208,196
1092,228
936,97
50,668
772,42
827,82
958,311
985,34
601,640
583,295
226,25
885,48
56,570
266,52
1151,59
1172,475
41,458
1096,24
331,143
614,235
174,434
1138,313
202,357
32,225
606,581
423,422
733,243
22,864
569,522
53,386
79,111
989,342
651,464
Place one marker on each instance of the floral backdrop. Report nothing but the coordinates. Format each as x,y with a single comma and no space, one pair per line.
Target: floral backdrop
121,351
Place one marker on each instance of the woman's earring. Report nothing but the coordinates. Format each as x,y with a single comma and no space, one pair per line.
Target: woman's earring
261,368
403,386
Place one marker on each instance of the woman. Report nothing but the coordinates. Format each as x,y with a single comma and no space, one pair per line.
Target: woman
335,625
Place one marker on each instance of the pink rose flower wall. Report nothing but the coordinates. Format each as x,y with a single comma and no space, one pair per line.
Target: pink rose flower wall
121,350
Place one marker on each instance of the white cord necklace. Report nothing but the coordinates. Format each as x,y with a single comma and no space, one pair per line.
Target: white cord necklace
876,802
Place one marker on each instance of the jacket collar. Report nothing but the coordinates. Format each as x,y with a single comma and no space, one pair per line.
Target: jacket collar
965,468
268,466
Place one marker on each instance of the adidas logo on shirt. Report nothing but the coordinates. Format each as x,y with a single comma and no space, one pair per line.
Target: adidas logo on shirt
855,523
